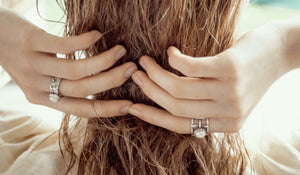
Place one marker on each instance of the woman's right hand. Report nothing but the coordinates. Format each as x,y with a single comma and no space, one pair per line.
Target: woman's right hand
28,55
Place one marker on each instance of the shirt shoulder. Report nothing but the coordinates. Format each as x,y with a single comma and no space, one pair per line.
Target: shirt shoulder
23,144
278,155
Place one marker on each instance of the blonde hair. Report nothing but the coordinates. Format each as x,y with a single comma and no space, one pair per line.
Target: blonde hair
128,145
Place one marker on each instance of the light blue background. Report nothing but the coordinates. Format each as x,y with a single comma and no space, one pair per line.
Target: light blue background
294,4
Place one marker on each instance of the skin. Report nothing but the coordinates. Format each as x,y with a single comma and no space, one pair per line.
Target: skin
29,57
223,88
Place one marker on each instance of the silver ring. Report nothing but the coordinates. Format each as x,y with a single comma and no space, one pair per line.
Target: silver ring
54,85
199,127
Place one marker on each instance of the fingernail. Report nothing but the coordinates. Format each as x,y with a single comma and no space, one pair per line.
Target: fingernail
177,51
137,80
135,112
98,36
120,53
125,109
143,64
130,71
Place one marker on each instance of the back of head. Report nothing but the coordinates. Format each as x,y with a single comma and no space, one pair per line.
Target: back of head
128,145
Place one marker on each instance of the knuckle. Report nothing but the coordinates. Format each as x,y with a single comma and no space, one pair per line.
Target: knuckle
73,71
234,90
82,66
81,42
106,60
173,110
116,80
67,45
81,89
176,109
26,36
65,48
176,90
87,42
25,39
171,85
99,108
231,64
81,113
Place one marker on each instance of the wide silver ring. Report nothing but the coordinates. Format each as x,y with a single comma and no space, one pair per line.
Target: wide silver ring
199,127
54,93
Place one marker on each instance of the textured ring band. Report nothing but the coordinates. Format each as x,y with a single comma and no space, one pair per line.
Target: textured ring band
199,127
54,85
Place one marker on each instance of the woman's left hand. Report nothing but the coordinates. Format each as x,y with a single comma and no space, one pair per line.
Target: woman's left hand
223,88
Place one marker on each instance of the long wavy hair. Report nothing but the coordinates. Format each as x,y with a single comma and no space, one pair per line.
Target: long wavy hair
128,145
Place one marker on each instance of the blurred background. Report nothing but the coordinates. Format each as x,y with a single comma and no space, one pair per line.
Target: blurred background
277,113
293,4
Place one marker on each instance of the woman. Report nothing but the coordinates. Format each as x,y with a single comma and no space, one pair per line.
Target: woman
126,144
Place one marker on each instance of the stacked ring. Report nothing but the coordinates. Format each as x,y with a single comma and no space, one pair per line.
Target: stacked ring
54,85
199,127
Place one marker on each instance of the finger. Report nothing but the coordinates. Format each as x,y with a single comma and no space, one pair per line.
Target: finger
86,108
179,107
91,85
77,69
181,87
209,67
181,125
161,118
98,83
44,42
